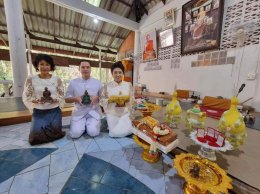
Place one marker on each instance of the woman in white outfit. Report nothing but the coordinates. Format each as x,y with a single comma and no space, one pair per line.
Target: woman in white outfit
118,118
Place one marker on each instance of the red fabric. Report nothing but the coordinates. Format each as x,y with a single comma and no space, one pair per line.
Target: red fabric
213,144
201,139
214,113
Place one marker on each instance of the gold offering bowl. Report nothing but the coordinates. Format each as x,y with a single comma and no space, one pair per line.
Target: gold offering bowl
152,158
119,100
150,108
201,175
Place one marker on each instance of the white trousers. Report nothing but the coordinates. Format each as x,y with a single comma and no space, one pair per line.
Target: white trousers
119,126
86,123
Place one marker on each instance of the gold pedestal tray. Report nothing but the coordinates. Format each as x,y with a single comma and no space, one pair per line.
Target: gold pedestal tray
201,175
146,155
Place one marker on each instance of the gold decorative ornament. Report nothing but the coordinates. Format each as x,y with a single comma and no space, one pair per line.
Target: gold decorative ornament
201,175
119,100
146,155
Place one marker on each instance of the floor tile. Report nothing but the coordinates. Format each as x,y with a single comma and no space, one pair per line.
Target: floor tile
14,161
90,169
62,142
4,141
153,180
142,165
66,147
45,145
93,147
119,178
174,184
126,142
5,186
56,182
168,166
121,162
82,144
10,147
31,182
25,156
106,156
75,185
63,161
129,153
41,163
138,153
108,144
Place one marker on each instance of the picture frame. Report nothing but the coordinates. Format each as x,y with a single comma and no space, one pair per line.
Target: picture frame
169,18
166,38
201,25
149,46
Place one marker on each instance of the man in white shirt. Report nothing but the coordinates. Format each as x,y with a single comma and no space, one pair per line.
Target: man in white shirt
84,117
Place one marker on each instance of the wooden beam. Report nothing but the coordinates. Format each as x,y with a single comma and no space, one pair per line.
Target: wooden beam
59,60
78,25
143,7
56,41
125,3
147,2
64,52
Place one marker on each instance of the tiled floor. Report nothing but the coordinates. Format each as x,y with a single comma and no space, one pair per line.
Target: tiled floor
86,165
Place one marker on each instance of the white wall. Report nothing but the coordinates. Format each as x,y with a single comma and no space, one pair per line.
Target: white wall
218,80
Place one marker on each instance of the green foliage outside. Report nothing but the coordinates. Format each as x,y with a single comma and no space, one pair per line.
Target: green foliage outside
65,73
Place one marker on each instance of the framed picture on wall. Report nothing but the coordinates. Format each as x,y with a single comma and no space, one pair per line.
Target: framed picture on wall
201,25
166,38
149,46
169,18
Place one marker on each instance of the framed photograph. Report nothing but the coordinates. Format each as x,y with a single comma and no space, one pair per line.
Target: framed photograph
202,31
169,18
166,38
149,46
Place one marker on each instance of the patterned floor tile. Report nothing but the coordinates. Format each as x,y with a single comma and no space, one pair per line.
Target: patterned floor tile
31,182
57,181
41,163
5,186
77,186
63,161
14,161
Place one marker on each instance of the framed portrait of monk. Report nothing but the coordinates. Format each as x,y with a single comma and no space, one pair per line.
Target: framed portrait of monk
149,46
201,25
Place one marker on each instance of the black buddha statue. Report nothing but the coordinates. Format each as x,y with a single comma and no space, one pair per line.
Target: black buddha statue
46,96
86,98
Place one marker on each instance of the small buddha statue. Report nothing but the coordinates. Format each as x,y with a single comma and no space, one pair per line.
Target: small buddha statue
86,98
195,171
46,96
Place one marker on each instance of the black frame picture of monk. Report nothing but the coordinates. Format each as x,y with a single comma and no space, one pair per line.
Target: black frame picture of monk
201,25
149,46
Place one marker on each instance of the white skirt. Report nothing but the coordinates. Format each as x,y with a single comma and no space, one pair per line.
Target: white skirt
119,126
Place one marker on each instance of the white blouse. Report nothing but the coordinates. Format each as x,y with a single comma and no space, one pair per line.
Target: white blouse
115,89
34,87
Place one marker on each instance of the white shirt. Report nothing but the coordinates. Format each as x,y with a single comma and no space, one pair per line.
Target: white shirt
115,89
34,88
77,88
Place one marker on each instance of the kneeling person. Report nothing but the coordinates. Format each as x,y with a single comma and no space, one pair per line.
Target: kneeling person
86,114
